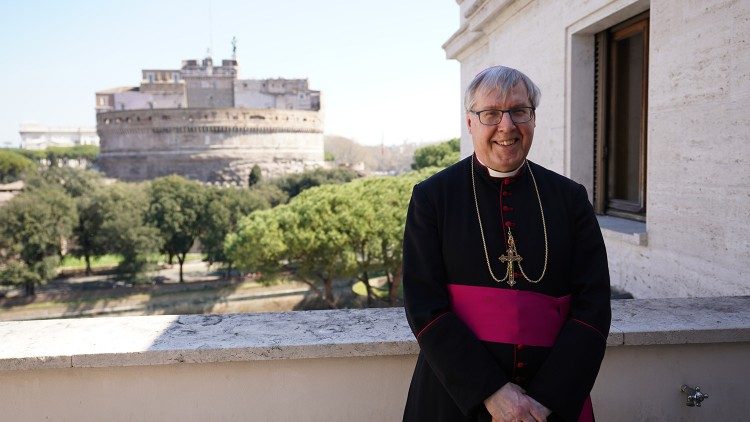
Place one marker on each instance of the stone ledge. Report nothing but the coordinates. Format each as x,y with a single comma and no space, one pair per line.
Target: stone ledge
682,320
160,340
624,230
157,340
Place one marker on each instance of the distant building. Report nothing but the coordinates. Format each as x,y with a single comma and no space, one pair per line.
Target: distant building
201,122
645,103
35,136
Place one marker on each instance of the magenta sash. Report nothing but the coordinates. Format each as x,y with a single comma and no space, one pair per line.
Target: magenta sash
514,317
510,316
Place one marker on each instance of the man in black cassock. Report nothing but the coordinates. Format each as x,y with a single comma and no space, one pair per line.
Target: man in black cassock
506,285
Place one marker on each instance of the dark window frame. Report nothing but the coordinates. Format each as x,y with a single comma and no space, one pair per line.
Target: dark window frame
605,101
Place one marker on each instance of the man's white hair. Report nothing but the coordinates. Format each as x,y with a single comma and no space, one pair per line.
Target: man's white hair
500,79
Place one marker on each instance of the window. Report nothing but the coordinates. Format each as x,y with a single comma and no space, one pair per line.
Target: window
621,87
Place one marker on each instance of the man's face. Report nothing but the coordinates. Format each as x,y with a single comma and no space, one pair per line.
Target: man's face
504,146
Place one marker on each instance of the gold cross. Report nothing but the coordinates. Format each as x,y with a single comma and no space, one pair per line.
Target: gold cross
511,257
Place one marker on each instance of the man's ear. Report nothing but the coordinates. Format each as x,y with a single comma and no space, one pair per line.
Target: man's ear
468,121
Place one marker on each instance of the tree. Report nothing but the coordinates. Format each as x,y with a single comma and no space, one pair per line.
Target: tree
175,209
294,184
315,236
438,155
13,166
224,208
258,244
302,234
89,241
388,226
270,193
56,156
255,175
111,220
81,185
332,231
75,182
76,152
33,227
124,230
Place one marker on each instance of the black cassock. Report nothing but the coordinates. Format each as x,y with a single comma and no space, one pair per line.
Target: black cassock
444,264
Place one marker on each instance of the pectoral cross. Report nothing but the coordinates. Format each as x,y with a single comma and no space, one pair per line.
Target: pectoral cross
511,257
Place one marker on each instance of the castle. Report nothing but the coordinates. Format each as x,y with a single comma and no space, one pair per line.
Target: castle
203,123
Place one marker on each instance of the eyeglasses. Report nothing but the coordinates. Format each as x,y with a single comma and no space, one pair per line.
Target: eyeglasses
493,117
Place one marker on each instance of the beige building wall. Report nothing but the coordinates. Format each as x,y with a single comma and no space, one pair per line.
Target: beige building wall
275,93
696,240
636,383
36,136
209,91
323,390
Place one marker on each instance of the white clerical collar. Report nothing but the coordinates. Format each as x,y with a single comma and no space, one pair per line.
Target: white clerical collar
495,173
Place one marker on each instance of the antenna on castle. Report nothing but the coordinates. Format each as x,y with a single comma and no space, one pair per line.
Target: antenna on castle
234,48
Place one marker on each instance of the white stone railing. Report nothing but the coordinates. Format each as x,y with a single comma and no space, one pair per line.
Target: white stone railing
342,365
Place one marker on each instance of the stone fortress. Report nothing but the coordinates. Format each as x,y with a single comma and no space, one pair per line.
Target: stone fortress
203,123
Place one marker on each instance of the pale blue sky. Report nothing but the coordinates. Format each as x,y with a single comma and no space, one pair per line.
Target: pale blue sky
379,64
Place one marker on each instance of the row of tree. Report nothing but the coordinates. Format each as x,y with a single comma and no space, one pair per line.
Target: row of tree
14,163
57,154
69,211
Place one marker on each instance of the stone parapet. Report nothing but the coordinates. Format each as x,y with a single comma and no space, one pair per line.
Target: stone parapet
343,365
158,340
184,119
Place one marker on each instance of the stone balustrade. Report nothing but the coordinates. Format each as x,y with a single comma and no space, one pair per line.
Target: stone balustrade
343,365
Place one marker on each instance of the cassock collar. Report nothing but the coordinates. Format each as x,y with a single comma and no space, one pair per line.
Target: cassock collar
496,176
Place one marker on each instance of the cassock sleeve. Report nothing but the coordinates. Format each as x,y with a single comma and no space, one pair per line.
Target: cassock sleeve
568,374
460,361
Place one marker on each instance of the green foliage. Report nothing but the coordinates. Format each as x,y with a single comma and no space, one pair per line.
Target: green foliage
33,226
316,237
176,208
56,154
293,184
13,166
258,244
32,154
330,232
270,193
124,230
86,187
377,226
77,152
224,208
328,156
438,155
88,235
75,182
255,175
112,220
